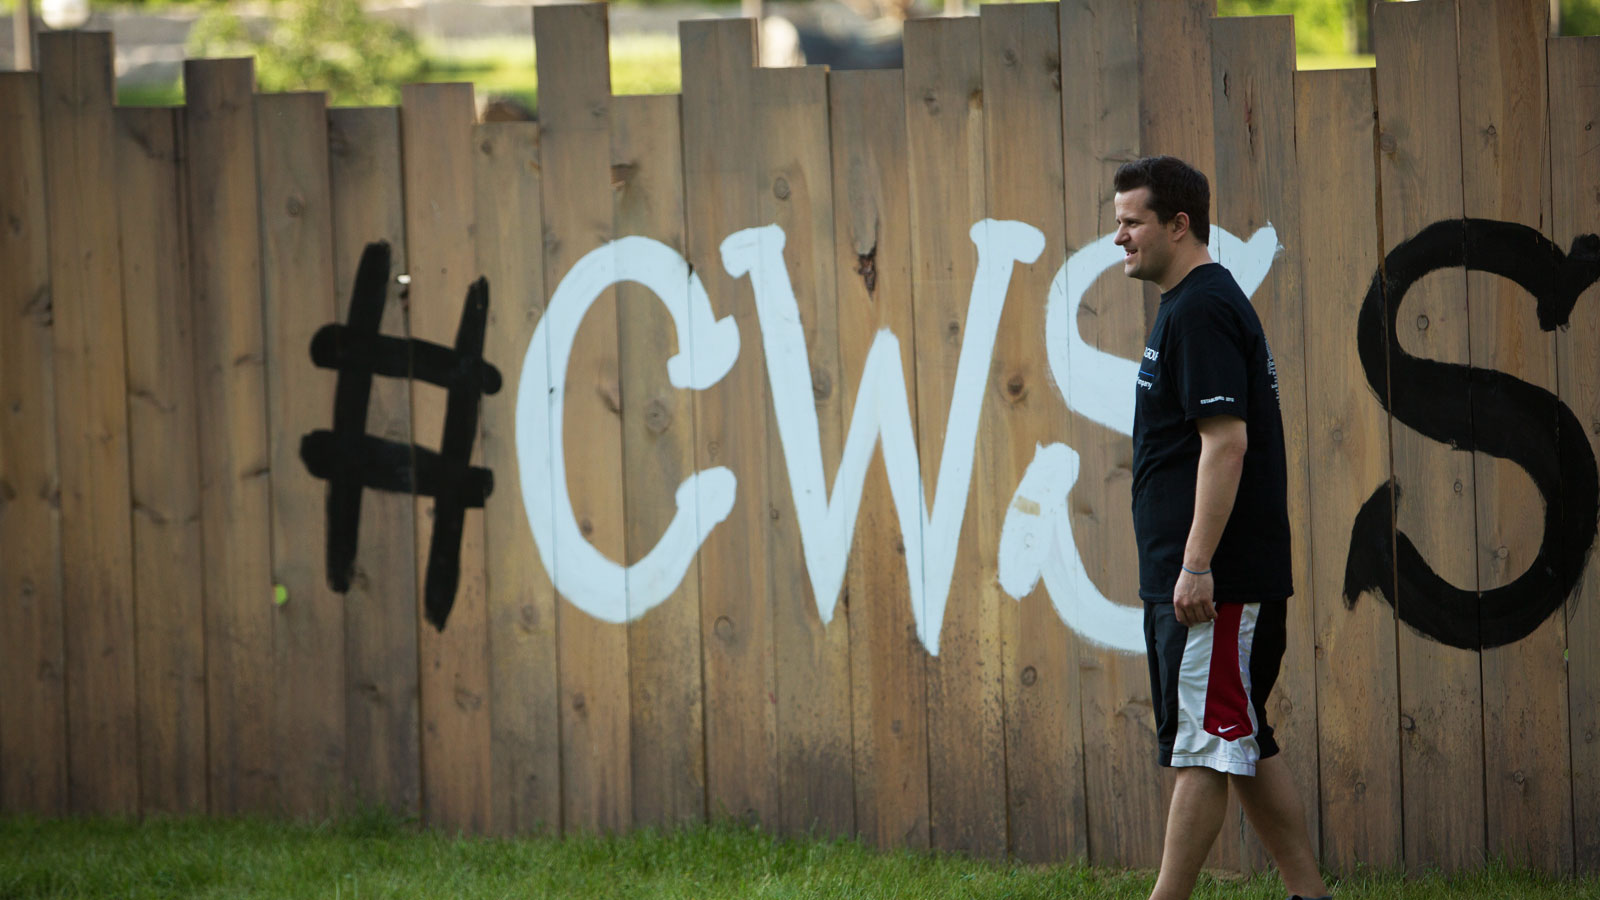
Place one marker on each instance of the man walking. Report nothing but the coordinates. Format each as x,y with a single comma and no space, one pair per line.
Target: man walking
1210,513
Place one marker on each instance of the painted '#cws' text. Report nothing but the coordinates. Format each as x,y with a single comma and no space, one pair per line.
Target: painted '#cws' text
1036,539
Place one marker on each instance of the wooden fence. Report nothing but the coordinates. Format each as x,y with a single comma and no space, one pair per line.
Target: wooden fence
245,475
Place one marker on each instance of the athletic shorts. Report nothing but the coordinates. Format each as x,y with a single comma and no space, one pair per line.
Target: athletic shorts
1209,684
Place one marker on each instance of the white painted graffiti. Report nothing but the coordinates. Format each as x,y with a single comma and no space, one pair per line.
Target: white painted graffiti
1036,539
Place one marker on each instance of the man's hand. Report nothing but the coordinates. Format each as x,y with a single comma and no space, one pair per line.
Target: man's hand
1192,598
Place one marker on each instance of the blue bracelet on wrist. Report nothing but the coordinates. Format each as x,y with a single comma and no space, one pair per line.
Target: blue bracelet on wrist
1193,572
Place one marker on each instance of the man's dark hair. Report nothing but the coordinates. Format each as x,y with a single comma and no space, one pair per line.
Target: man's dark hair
1175,187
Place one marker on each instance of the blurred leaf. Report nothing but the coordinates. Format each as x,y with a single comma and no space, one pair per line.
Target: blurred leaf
331,45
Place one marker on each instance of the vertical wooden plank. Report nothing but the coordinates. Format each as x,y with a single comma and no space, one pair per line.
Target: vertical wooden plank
1175,117
1257,174
945,165
720,184
522,618
33,713
91,422
1505,176
382,755
297,295
1175,97
872,268
1347,434
666,694
1574,72
436,135
574,156
1039,659
795,186
164,460
1100,131
230,360
1440,695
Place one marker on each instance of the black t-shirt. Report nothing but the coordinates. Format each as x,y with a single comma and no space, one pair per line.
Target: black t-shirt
1207,356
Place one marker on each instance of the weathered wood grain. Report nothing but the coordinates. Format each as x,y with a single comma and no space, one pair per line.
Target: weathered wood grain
945,162
383,763
436,134
872,269
1441,698
297,296
230,368
80,169
574,161
1505,152
164,461
812,656
666,692
523,680
1347,434
736,613
1021,53
1253,99
33,712
1574,65
1099,132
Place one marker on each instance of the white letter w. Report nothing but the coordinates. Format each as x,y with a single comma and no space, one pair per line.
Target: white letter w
827,524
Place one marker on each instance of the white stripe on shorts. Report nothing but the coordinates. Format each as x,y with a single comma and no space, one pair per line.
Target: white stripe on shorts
1233,751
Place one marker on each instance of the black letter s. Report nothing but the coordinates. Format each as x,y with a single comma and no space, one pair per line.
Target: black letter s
1515,423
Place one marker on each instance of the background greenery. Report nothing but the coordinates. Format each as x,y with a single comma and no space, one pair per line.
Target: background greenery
334,46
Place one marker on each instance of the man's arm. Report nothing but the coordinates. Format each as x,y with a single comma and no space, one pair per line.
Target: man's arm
1223,440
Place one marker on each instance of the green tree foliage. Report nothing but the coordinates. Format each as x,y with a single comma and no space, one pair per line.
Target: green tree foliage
318,45
1342,26
1580,16
1320,26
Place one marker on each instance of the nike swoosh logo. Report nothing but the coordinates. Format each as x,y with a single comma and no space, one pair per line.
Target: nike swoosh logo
1226,730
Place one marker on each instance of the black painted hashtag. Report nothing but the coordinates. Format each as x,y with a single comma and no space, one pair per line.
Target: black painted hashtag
351,460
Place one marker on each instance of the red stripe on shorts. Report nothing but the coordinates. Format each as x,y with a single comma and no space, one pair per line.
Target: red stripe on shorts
1227,704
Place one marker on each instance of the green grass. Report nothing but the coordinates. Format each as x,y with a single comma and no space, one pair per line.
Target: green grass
373,856
1309,61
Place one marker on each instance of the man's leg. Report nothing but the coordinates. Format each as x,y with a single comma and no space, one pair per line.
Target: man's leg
1199,802
1272,804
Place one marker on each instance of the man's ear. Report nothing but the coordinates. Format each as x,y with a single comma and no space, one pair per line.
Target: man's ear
1180,225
